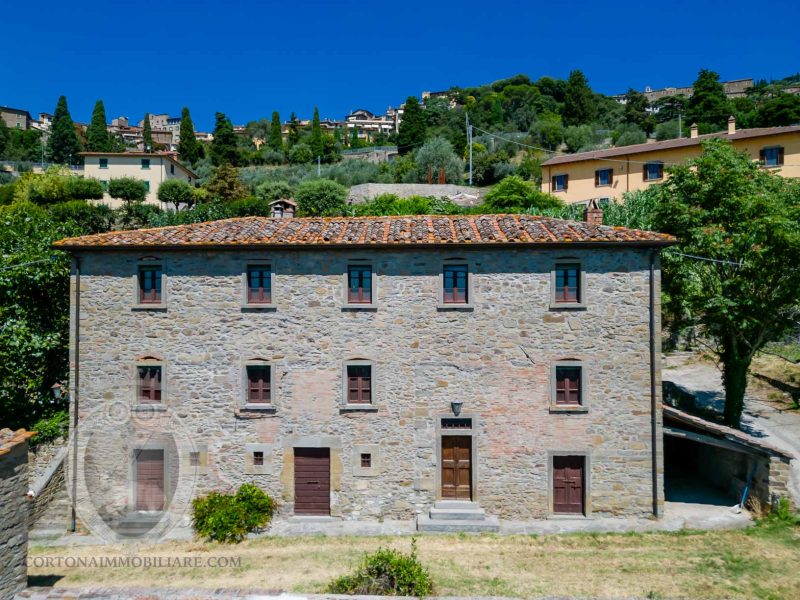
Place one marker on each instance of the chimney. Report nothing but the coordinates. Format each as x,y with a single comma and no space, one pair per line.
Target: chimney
693,131
731,125
593,214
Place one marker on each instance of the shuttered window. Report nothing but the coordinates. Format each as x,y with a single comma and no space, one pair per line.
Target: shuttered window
150,285
259,284
454,282
653,171
772,157
359,384
560,183
603,177
567,283
149,384
258,384
359,284
568,385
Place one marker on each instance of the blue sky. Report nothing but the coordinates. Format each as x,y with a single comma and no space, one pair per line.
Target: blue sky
248,58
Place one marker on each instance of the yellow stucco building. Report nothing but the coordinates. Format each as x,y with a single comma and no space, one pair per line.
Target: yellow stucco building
607,174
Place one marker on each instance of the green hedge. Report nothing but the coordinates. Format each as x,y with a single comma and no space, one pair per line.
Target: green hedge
230,517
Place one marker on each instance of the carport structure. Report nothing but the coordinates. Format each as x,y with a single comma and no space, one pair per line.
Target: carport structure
710,463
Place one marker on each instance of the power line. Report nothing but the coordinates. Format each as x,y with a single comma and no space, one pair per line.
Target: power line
33,262
715,260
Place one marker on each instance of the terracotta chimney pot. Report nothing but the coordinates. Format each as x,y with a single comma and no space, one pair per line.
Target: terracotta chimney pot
731,125
693,131
593,214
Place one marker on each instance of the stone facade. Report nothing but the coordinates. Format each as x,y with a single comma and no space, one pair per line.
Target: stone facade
495,357
364,192
14,505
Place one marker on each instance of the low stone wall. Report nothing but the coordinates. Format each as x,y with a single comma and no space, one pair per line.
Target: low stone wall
14,515
359,194
41,456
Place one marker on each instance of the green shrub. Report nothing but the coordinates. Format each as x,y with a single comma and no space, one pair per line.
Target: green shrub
128,189
320,197
91,218
176,192
386,572
249,207
514,194
50,428
229,518
83,188
6,193
274,190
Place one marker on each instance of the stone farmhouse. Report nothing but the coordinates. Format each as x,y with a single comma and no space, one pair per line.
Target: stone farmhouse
449,369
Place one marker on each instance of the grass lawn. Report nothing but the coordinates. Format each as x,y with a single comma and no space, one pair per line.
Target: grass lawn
760,562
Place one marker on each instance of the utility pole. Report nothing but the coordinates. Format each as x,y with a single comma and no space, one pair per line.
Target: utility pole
680,131
319,170
469,141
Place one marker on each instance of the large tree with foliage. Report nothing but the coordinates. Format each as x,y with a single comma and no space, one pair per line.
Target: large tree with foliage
316,143
176,192
708,106
127,189
97,136
413,128
224,149
147,134
275,138
778,111
745,223
63,144
320,197
188,146
435,155
225,184
580,106
513,194
636,111
293,135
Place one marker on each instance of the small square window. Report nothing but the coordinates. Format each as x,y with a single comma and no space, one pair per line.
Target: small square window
603,177
150,284
567,284
359,284
359,384
103,163
568,385
653,171
560,183
259,384
366,460
259,284
258,458
149,384
194,459
145,163
455,284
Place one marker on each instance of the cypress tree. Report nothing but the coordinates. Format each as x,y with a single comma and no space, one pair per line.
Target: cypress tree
412,128
580,107
708,106
317,147
97,137
294,130
223,148
188,146
275,138
147,134
63,145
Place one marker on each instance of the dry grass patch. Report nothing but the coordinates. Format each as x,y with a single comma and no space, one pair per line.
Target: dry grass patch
756,563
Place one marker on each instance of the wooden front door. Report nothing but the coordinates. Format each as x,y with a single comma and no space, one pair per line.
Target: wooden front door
149,479
457,467
568,484
312,481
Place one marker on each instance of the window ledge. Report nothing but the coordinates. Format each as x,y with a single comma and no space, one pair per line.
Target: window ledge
157,307
259,306
149,408
455,306
568,408
358,408
262,408
567,306
350,306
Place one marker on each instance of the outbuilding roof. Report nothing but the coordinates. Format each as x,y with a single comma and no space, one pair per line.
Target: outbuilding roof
418,231
740,134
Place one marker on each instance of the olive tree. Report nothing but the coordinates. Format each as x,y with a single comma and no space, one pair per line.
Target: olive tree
176,192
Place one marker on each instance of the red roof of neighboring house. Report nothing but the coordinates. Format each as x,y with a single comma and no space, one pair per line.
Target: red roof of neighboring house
423,230
9,439
740,134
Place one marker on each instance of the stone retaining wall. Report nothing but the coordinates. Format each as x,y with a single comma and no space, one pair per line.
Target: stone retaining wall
13,512
359,194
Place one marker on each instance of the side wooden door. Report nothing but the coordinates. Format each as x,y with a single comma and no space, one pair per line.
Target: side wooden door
568,484
312,481
457,467
149,480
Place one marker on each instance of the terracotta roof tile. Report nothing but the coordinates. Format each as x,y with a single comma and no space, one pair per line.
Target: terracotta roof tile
426,230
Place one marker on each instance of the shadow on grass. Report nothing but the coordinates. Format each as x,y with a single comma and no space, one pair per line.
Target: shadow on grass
43,580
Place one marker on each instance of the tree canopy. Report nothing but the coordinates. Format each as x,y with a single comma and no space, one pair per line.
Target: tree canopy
127,189
97,136
188,146
412,128
63,144
275,138
579,103
320,197
223,148
745,221
708,106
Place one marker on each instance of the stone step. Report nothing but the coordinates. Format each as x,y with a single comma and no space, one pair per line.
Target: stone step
456,504
136,525
458,514
489,524
46,533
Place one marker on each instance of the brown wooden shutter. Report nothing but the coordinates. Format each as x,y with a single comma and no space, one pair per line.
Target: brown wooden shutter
596,177
566,182
780,155
644,172
610,176
762,156
553,183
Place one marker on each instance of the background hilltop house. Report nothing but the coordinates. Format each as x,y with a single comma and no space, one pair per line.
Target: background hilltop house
152,168
608,174
453,369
